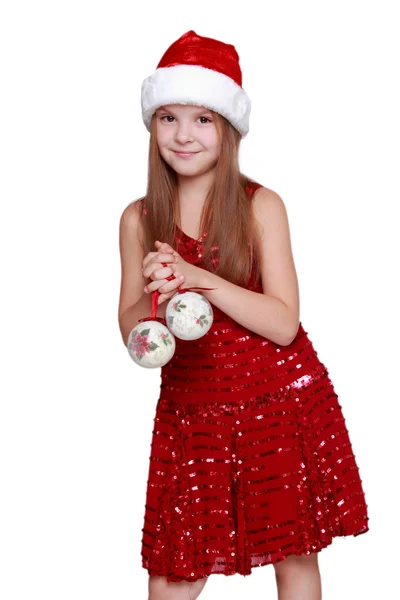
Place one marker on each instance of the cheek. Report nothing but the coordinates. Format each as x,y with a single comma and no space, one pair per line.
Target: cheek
214,147
160,139
163,136
211,140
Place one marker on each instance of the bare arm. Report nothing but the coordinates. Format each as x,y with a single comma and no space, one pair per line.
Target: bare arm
262,314
274,314
134,303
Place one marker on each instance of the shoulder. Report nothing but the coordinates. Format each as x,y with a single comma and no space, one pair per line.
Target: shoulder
131,215
133,210
131,220
269,209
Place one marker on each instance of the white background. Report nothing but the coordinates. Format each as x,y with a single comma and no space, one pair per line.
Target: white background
76,412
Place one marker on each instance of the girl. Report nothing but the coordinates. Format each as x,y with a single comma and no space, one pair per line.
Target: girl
251,462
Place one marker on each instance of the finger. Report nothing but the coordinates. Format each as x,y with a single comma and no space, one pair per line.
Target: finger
170,286
153,285
168,257
163,297
157,258
163,257
164,272
148,257
164,286
164,247
157,271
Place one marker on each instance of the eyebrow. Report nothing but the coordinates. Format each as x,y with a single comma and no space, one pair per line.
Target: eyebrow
198,111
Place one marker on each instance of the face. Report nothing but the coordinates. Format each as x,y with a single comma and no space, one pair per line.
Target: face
187,138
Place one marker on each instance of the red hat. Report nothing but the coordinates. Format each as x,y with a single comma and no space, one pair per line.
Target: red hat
200,71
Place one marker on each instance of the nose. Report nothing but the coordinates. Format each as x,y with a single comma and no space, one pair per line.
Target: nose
183,133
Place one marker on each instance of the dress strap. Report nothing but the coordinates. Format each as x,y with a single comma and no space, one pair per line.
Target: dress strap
252,188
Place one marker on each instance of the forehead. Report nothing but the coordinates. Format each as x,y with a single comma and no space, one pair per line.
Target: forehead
183,108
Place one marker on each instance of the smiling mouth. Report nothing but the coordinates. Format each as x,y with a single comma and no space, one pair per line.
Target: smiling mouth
186,153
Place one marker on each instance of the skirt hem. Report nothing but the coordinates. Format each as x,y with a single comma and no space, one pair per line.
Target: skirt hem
278,557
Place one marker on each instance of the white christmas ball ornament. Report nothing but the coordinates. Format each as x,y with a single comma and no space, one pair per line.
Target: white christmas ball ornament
150,344
189,315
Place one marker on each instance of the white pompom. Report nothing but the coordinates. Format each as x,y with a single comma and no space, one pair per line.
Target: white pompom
189,315
150,344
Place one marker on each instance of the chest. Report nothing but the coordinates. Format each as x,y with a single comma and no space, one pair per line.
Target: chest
189,221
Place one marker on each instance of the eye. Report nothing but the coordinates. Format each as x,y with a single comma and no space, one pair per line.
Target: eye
171,117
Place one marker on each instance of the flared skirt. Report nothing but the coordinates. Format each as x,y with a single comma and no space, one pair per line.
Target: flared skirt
241,484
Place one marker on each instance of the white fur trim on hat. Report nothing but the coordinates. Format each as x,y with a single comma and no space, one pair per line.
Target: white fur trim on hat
198,86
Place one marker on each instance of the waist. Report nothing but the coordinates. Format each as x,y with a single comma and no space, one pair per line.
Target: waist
250,366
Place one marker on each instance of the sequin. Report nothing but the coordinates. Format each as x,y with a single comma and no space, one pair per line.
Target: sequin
251,459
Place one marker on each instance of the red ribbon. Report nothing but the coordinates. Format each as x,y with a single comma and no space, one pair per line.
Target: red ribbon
154,303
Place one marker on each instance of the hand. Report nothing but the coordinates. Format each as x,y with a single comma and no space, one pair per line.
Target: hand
153,269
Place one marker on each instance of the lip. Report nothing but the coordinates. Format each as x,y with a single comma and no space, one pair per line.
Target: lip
185,154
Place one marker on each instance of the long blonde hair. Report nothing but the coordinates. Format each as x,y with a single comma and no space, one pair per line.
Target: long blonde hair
227,214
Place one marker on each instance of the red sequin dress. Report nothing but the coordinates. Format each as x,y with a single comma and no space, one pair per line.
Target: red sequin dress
251,459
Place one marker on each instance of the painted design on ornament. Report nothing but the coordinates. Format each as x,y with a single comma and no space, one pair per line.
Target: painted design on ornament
140,345
202,320
178,305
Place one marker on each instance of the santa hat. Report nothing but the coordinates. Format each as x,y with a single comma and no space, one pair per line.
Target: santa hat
199,71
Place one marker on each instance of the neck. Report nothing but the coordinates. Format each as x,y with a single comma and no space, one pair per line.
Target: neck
194,190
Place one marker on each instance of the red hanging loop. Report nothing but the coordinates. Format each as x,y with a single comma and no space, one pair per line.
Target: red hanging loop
189,289
154,304
156,294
